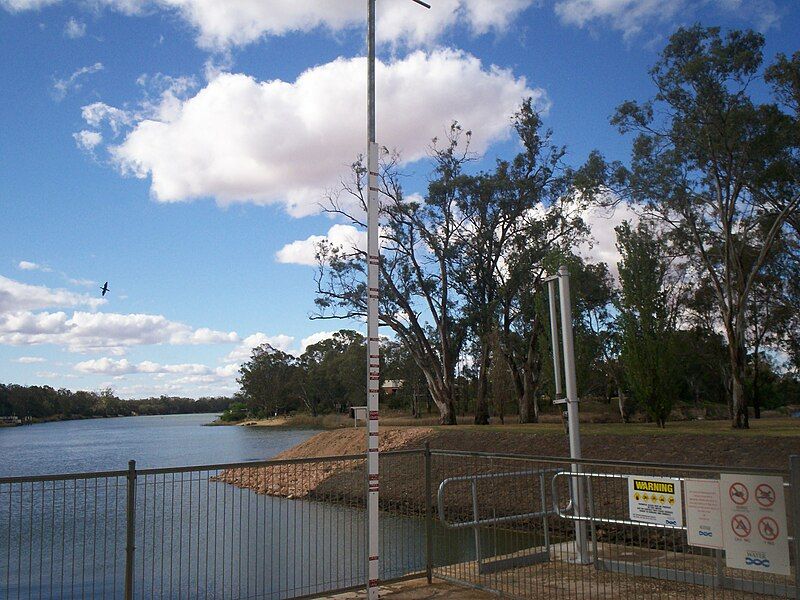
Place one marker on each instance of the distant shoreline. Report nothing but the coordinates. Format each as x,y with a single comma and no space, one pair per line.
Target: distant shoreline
61,418
294,421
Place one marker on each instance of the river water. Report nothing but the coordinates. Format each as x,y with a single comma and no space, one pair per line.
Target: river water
152,441
194,536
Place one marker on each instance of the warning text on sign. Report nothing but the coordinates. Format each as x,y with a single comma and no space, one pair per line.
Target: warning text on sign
655,500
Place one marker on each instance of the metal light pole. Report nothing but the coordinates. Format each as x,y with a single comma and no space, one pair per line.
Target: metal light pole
373,340
578,498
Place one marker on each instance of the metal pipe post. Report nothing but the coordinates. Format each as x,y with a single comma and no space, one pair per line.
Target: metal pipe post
551,294
794,482
571,381
428,515
373,341
130,530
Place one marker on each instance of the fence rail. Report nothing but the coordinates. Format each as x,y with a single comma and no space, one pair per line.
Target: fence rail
297,528
267,529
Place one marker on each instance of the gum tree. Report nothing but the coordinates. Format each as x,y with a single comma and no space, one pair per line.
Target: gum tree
717,169
419,242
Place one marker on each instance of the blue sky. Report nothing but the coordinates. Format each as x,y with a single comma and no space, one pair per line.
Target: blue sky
179,150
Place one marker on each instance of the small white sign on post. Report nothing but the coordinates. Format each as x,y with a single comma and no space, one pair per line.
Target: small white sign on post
754,521
655,500
703,513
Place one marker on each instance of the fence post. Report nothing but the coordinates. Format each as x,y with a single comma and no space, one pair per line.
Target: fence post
130,532
428,515
794,482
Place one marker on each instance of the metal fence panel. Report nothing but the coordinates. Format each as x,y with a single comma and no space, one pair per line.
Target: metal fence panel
273,529
62,538
537,553
297,528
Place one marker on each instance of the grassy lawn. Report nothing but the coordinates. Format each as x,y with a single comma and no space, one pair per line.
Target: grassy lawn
771,427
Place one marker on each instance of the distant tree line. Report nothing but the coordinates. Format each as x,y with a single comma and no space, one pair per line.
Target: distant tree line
47,403
705,306
329,376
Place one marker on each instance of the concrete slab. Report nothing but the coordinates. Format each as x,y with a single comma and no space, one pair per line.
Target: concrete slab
418,589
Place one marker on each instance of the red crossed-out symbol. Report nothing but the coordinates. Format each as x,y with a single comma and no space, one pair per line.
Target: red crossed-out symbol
741,525
739,493
765,495
768,528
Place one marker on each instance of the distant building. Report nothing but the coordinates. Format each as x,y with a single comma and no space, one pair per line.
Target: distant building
390,386
12,420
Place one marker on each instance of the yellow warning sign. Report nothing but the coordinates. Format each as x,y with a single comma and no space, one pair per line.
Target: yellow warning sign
655,500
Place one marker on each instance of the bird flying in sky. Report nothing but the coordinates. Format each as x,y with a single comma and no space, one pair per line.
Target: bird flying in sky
104,289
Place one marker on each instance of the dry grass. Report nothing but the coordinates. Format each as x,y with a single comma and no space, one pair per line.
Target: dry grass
771,427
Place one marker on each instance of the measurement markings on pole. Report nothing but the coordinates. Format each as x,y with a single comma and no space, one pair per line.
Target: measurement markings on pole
655,500
754,510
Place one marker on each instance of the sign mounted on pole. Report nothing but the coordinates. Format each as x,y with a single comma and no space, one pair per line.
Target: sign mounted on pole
754,522
655,500
703,513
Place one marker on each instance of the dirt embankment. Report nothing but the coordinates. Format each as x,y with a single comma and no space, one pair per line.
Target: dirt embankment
298,480
403,476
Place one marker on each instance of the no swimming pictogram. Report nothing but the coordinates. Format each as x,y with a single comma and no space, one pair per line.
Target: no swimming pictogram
765,495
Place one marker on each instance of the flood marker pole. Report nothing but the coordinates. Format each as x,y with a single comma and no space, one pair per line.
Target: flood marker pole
373,341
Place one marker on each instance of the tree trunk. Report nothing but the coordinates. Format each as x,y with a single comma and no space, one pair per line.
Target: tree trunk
445,401
531,377
529,408
756,398
525,413
482,400
447,412
738,374
624,406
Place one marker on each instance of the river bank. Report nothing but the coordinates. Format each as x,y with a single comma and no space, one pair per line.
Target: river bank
767,446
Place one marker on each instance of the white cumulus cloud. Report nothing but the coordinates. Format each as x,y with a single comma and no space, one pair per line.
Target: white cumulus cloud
243,140
83,331
220,25
303,252
26,265
74,29
18,296
20,5
602,222
29,360
88,140
315,338
241,353
111,366
632,16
